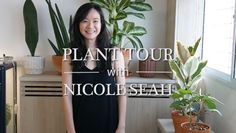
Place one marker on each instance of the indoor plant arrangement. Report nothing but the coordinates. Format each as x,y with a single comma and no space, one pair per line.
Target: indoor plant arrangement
32,64
127,32
61,34
187,71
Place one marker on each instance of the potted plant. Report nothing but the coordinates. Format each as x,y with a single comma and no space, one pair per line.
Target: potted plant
61,34
205,103
32,64
179,97
188,101
8,114
128,32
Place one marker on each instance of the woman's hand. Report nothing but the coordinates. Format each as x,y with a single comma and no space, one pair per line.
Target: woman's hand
120,130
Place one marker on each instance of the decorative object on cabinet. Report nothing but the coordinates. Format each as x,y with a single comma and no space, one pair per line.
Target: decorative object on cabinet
188,99
32,64
147,68
61,34
8,112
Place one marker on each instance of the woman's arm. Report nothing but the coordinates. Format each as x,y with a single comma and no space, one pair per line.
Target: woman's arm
67,99
122,99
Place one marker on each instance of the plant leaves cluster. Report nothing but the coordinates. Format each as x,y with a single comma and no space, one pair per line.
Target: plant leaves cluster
119,10
187,69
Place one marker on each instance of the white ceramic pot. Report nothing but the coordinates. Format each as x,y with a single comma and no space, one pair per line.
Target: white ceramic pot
34,64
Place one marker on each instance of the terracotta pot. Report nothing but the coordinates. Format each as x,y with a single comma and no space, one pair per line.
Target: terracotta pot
146,67
126,54
179,119
57,61
185,128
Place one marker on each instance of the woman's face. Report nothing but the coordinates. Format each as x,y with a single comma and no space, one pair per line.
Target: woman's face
90,27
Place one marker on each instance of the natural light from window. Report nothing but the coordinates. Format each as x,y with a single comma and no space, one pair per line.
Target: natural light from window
218,34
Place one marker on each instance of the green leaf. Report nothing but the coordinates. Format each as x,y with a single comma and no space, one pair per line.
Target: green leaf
54,47
122,5
31,26
215,110
101,3
62,27
182,53
135,42
139,15
209,103
140,0
184,91
195,47
190,67
192,84
127,26
177,72
176,95
201,65
138,31
121,15
140,6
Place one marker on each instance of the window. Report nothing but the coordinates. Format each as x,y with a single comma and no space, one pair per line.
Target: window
218,36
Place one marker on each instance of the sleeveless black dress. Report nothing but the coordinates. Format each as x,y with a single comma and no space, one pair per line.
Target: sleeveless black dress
94,113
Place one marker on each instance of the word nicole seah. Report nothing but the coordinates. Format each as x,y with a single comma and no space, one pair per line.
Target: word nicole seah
160,54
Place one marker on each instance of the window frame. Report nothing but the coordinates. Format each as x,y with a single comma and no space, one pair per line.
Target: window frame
228,80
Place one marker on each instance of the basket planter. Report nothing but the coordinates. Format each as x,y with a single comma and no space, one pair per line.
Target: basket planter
34,64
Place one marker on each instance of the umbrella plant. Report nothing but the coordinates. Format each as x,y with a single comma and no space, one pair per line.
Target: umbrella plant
118,11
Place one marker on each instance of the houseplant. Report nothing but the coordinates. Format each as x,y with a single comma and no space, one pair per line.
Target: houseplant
187,71
32,64
206,103
61,34
128,32
183,73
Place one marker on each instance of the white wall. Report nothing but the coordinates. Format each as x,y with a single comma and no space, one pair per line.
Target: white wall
226,122
12,27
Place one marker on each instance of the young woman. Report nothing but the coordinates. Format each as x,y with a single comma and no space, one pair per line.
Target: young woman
93,111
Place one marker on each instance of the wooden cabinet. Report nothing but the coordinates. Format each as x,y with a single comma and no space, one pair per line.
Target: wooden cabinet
143,111
41,104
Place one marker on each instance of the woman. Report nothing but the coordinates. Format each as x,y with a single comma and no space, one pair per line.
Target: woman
88,112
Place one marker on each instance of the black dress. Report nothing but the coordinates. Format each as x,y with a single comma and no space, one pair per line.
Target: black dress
94,113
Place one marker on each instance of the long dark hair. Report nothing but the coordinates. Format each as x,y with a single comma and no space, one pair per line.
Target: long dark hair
78,40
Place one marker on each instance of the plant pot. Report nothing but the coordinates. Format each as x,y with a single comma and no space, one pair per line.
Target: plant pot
179,119
126,54
200,128
57,61
34,64
146,68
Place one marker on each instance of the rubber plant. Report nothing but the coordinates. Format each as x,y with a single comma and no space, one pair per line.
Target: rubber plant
188,99
118,11
61,34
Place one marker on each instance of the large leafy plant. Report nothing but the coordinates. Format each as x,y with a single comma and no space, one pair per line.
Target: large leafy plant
187,70
62,36
118,11
31,25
